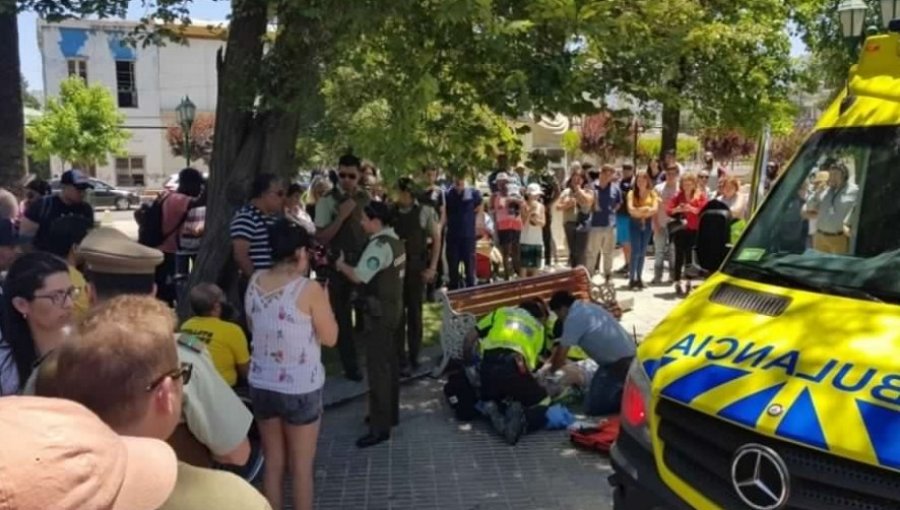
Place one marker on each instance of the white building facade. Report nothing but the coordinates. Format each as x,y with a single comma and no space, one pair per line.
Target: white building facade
147,83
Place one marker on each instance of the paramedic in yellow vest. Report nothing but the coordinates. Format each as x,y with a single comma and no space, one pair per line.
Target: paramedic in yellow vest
511,339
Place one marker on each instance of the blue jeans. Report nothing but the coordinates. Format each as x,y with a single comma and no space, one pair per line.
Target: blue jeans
640,232
605,394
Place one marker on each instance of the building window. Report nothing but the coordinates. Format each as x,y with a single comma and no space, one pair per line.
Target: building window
125,84
78,67
130,171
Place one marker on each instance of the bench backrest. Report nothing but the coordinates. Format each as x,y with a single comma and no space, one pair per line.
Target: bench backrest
485,298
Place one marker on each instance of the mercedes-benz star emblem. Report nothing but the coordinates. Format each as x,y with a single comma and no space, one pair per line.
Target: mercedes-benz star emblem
760,477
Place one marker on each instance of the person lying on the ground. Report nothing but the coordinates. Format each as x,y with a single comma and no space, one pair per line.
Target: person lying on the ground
573,377
592,328
510,340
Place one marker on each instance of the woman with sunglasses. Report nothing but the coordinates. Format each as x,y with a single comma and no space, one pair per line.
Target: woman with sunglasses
37,309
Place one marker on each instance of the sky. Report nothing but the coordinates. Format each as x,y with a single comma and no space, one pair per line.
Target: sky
210,10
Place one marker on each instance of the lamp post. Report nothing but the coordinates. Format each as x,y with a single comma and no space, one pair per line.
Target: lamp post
184,114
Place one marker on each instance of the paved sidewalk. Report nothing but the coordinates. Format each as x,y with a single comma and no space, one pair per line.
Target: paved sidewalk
435,462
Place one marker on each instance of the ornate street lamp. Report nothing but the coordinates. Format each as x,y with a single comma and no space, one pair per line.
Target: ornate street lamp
890,10
184,114
853,16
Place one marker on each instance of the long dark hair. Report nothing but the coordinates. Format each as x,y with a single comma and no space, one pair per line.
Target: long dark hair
285,238
26,275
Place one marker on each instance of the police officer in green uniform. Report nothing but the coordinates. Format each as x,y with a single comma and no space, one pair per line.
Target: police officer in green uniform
216,422
511,340
339,227
380,269
414,224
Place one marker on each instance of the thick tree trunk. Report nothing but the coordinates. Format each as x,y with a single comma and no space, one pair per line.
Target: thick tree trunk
293,90
238,142
12,135
671,123
263,102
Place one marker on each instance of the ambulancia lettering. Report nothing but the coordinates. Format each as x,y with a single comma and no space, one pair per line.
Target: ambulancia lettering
844,376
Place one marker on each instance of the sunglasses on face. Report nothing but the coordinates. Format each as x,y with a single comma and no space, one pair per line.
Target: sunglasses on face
183,372
351,177
59,297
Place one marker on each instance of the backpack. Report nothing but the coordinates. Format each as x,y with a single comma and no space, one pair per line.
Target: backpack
714,235
149,218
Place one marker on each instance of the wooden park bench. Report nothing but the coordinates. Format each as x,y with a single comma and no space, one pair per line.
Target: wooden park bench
462,308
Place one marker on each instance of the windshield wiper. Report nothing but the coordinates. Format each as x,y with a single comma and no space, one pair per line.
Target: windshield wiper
806,284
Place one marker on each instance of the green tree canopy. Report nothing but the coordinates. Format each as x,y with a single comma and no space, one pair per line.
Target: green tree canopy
82,126
818,23
727,62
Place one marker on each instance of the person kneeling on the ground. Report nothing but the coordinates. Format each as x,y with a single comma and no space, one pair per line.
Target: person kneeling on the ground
596,331
511,340
225,341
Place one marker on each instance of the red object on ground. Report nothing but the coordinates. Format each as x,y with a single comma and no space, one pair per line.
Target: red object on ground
600,438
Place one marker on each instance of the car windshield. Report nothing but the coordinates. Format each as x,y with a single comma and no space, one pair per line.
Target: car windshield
828,225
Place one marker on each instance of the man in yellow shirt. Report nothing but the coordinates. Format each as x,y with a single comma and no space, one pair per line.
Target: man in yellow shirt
225,341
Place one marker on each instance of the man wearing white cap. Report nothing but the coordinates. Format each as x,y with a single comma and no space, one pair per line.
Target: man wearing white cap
58,455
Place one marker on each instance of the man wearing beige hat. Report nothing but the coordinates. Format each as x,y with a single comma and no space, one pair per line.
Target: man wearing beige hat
60,456
216,422
137,386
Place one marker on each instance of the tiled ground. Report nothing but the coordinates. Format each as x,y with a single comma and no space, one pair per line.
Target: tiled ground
435,462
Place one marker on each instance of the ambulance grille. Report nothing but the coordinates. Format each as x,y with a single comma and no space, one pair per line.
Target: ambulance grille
698,448
754,301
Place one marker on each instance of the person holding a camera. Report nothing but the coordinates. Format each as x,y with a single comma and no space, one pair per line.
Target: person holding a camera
380,269
338,227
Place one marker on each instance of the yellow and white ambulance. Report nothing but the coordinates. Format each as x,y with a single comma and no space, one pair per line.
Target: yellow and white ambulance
776,384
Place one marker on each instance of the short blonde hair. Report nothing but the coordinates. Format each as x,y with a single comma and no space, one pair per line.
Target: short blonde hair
732,180
121,346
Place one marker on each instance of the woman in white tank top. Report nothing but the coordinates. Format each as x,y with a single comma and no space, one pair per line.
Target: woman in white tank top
290,319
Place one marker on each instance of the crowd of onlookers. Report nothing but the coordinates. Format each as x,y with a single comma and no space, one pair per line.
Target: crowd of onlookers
87,318
607,208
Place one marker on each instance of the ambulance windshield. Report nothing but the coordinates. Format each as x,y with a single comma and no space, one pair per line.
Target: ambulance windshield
832,222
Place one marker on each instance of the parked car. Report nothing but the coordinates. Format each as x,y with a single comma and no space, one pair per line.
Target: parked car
104,195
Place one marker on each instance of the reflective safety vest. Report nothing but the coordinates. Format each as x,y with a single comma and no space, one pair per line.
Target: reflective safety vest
516,330
575,353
